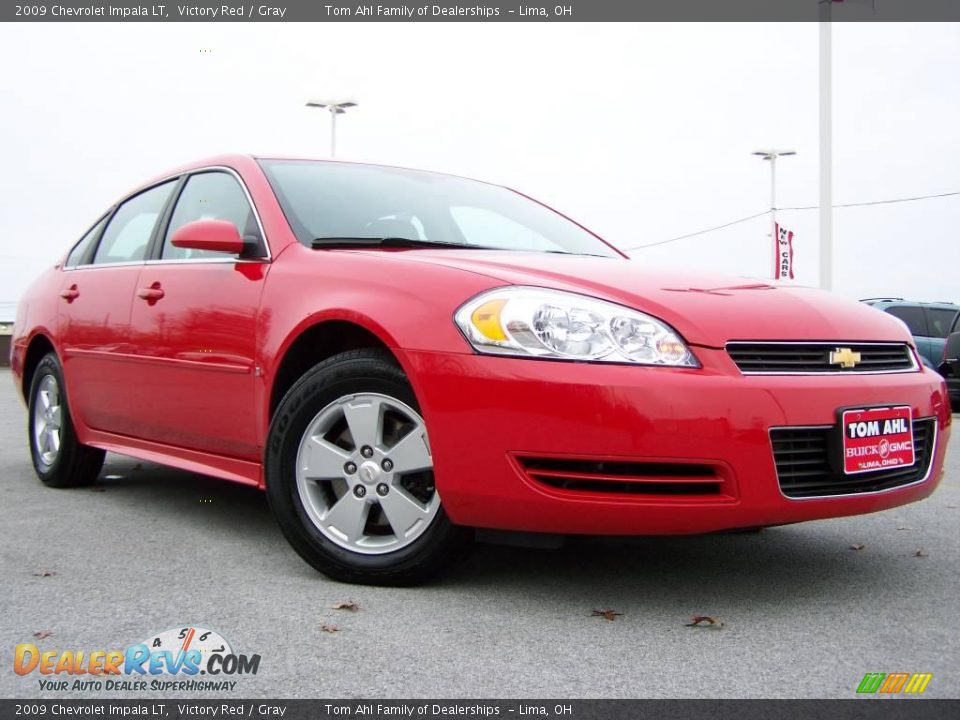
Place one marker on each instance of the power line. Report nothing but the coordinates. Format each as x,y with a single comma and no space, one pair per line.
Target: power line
26,259
700,232
878,202
803,207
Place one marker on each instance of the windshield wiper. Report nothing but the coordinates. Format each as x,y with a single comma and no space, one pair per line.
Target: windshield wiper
324,243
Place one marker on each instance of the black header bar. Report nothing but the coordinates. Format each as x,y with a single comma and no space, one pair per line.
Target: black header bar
261,709
483,11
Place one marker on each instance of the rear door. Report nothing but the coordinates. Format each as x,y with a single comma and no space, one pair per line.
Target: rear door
100,276
950,367
939,321
197,342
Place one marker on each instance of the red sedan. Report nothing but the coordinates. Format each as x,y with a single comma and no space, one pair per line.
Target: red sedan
398,357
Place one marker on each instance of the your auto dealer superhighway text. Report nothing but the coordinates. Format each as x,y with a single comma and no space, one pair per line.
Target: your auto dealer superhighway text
163,11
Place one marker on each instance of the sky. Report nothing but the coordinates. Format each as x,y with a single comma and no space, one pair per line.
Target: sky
642,132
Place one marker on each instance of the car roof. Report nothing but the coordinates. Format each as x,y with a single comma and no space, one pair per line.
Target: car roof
900,302
237,160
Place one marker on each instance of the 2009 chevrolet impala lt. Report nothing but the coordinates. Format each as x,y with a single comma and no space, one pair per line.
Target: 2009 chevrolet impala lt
398,357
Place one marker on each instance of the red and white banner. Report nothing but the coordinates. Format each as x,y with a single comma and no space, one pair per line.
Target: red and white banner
784,254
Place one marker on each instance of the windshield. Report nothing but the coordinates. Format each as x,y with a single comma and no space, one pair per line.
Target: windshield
334,200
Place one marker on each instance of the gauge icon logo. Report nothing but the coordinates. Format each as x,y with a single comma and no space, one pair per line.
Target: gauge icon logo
180,641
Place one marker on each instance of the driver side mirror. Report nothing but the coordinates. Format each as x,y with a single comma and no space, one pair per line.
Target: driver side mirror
951,354
211,235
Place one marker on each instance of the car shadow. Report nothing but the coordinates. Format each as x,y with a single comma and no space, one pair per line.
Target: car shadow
810,562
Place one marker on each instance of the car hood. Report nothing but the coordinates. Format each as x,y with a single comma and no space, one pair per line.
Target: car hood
706,309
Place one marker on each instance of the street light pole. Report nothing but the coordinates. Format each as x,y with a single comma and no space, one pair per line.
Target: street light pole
826,153
333,133
772,156
335,107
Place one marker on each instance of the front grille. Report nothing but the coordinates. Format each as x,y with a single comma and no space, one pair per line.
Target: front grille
793,358
626,478
802,456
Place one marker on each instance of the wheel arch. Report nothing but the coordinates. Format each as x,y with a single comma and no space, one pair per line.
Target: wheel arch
38,347
317,339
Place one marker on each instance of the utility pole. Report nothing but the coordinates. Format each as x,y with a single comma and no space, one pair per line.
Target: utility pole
771,156
335,107
826,149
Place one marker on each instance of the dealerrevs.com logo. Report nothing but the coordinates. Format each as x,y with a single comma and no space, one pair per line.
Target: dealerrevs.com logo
173,660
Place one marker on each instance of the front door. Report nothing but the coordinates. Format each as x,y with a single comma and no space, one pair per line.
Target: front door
194,322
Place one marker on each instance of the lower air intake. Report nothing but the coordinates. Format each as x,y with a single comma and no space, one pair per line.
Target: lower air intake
625,478
804,470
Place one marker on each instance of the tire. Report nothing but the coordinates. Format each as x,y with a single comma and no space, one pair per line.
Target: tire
347,477
59,459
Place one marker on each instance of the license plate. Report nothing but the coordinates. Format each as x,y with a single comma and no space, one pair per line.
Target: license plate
877,439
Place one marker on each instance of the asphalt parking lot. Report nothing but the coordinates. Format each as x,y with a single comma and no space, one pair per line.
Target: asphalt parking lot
804,614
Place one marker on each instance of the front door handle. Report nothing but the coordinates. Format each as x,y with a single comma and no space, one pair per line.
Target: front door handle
70,294
151,294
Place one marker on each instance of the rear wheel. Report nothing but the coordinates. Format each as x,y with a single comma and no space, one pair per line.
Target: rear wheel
59,459
350,475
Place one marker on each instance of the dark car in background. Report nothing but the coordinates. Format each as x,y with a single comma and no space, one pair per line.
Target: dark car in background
950,363
929,323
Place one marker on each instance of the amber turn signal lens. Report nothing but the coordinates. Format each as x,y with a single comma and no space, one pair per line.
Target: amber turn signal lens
486,319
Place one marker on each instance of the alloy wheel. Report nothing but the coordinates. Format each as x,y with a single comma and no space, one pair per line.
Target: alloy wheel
47,420
365,474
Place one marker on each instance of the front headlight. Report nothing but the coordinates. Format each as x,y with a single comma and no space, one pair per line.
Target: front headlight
531,321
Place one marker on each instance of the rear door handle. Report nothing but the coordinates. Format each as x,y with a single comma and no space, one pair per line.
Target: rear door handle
151,294
70,294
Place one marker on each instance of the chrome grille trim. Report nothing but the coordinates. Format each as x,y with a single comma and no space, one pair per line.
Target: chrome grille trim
812,358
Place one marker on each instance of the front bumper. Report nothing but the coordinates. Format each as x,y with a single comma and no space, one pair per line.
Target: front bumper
486,412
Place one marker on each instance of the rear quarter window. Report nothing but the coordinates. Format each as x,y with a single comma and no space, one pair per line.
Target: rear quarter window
81,251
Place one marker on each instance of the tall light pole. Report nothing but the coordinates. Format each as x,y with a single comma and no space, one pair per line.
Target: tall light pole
336,107
826,151
772,156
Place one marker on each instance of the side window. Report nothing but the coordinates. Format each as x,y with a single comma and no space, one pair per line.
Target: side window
78,256
913,317
128,233
939,321
210,196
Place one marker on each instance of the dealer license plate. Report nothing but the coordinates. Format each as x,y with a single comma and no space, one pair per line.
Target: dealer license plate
877,439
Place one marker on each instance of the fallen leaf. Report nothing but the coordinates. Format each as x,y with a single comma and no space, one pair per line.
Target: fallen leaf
329,628
610,615
44,573
857,546
346,605
41,634
904,527
921,553
705,621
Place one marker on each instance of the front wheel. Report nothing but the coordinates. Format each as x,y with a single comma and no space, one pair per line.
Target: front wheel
349,475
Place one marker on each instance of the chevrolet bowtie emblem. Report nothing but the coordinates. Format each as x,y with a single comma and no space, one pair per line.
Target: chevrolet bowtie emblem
844,357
